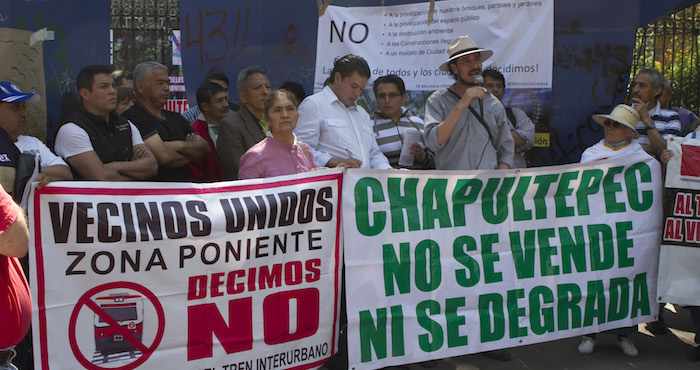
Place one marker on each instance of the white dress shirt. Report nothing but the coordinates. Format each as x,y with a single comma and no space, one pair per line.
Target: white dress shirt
333,130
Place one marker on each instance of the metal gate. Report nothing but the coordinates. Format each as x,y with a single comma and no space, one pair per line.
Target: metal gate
142,31
670,45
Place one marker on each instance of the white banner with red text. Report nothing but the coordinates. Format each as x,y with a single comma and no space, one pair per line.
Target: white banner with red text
442,264
680,249
233,275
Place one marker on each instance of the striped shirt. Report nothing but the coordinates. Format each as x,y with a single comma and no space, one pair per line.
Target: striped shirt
389,135
667,122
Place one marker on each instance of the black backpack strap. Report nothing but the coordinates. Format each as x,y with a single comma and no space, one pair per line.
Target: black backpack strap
511,116
486,127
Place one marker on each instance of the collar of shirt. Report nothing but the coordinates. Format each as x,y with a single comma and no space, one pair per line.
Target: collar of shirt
404,113
655,111
269,134
332,98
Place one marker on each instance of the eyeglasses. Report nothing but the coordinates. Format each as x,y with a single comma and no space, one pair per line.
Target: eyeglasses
609,123
382,96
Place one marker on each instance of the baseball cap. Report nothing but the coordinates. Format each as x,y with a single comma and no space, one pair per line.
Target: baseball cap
10,93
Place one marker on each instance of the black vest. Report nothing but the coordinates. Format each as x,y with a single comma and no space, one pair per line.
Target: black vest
111,142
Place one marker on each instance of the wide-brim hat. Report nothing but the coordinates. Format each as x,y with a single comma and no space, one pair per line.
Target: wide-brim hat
623,114
461,46
10,93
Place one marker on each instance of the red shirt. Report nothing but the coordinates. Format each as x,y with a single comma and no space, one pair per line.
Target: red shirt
209,168
15,298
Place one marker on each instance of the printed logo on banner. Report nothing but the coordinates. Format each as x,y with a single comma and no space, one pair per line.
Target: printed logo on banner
116,314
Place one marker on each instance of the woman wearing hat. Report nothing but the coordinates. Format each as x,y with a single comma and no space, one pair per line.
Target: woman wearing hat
620,130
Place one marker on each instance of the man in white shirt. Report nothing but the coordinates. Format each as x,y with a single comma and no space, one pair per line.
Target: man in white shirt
339,131
13,119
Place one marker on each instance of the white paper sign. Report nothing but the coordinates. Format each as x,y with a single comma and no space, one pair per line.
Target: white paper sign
398,40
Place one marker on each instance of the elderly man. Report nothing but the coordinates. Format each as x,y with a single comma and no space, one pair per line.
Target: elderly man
521,127
239,132
465,126
655,123
212,99
96,143
339,131
13,118
167,134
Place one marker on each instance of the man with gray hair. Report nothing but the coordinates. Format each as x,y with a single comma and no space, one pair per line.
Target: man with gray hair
656,123
167,134
240,131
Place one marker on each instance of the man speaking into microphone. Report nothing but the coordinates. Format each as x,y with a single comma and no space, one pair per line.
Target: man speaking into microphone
465,126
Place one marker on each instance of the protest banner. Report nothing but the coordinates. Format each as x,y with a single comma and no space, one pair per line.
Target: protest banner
411,42
679,257
398,40
232,275
442,264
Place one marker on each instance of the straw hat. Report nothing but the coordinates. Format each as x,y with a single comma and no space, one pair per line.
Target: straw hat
463,45
623,114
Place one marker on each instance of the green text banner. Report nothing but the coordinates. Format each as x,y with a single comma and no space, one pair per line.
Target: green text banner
440,264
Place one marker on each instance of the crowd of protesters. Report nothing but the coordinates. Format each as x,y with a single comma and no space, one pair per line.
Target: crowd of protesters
122,133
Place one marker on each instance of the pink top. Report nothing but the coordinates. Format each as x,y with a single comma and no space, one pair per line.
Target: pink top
272,157
15,299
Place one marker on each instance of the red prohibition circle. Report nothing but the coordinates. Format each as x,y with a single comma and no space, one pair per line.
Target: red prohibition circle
85,299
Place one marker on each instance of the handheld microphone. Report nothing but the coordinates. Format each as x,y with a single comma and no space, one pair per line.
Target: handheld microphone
479,81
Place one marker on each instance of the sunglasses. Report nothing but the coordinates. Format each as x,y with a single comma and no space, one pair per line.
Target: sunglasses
614,124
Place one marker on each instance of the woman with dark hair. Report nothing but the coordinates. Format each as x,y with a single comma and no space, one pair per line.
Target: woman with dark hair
280,153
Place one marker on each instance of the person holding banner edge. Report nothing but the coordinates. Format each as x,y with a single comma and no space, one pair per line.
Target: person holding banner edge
620,132
15,298
466,127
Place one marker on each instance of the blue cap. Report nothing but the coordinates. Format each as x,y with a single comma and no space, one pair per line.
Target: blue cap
10,93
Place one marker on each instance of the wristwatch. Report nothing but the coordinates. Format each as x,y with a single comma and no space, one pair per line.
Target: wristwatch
651,125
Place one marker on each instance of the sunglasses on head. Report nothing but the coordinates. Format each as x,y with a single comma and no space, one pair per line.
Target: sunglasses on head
608,123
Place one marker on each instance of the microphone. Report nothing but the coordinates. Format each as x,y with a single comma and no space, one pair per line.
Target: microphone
479,81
